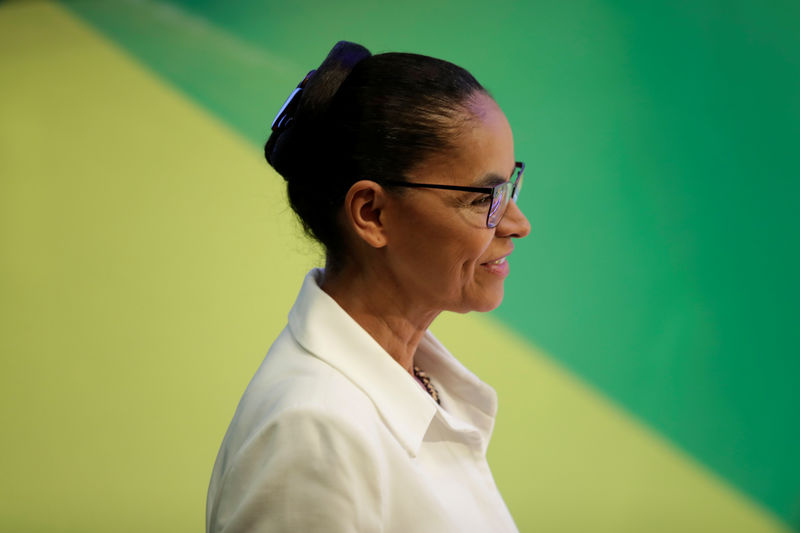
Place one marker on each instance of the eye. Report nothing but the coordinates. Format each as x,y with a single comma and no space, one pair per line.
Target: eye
482,200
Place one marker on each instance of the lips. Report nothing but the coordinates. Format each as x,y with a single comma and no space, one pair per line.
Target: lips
497,266
501,259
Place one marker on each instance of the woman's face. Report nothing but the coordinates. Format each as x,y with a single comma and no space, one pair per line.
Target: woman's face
439,247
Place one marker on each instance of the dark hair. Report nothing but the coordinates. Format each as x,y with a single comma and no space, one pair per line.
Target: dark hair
363,116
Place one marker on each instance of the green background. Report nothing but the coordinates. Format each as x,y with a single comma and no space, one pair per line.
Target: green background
661,144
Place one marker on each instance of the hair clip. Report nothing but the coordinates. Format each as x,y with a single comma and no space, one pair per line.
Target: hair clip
286,113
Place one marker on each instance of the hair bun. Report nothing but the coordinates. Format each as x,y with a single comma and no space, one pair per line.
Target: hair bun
330,75
284,146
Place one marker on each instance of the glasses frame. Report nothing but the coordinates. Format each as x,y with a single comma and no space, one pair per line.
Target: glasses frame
516,185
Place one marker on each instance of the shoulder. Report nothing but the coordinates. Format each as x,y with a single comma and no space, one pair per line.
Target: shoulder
303,437
294,404
292,382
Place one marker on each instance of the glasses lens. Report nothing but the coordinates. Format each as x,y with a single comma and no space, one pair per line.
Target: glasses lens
517,183
502,194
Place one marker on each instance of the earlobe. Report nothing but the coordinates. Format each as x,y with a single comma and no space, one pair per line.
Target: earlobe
364,205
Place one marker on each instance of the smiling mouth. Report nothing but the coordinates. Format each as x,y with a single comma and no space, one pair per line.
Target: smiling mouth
497,267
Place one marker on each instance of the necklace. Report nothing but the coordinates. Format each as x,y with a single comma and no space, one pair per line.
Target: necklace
426,382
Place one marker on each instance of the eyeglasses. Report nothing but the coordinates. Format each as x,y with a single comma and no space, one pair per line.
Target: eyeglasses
501,193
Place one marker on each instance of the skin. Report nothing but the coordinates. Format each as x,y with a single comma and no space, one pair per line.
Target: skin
418,252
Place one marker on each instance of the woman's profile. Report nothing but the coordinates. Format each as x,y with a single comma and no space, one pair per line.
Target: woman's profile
402,166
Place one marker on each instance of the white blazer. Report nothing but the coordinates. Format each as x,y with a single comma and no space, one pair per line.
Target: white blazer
333,435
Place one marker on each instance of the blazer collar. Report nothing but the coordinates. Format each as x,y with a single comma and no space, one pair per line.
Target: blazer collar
323,328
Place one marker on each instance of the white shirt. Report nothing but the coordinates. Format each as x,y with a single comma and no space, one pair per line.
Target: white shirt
333,435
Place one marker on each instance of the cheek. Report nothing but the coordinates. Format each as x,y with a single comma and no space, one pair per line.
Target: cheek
464,253
443,250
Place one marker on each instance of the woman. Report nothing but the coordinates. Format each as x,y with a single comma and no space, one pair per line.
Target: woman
403,167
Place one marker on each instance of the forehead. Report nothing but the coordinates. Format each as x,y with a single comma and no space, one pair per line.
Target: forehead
482,149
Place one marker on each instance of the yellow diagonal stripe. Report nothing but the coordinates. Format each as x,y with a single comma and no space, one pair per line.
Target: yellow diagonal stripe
147,260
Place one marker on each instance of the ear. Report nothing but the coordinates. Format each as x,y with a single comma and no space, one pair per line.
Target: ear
363,210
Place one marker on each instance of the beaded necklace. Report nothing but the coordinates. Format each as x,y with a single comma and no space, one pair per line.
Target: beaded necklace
426,382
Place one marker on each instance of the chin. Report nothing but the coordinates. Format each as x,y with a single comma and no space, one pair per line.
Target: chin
490,306
487,302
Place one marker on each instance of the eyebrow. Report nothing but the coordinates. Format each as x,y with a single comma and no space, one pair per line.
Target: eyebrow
489,180
492,179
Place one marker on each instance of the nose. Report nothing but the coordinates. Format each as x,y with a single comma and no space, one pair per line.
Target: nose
514,223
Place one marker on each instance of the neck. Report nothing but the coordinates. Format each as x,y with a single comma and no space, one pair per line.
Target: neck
381,306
